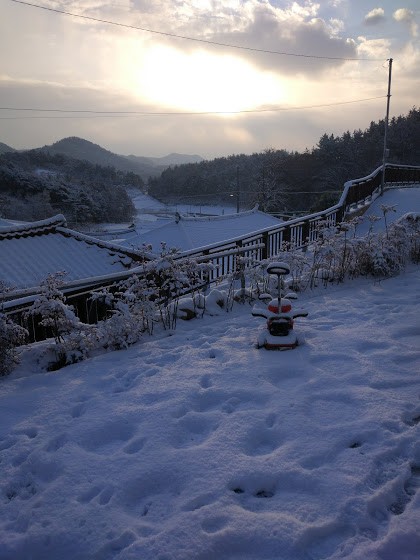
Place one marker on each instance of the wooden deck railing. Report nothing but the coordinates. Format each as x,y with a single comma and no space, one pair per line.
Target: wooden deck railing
298,233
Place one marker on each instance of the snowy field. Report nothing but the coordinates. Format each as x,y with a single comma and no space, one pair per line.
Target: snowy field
198,446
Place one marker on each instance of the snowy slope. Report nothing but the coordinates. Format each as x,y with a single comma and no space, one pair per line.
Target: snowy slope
198,446
403,200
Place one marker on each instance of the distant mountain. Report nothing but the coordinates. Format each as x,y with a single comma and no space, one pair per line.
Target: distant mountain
171,159
5,148
78,148
81,149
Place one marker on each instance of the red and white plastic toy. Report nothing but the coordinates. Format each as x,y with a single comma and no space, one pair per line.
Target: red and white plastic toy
279,333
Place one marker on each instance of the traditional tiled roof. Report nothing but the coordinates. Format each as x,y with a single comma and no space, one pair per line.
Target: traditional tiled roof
29,252
187,233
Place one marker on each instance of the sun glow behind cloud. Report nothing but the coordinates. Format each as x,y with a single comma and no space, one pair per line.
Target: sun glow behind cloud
199,81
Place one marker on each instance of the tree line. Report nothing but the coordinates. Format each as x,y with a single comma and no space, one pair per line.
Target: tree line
281,181
35,185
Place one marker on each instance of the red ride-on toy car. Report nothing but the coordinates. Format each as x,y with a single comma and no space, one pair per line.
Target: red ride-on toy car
279,333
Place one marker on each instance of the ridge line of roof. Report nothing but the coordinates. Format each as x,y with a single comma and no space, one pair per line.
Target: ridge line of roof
221,218
30,227
99,242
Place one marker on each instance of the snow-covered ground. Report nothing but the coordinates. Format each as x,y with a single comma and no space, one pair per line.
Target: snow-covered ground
399,201
144,203
196,445
200,446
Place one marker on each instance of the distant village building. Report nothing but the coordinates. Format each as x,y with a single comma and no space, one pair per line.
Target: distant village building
187,233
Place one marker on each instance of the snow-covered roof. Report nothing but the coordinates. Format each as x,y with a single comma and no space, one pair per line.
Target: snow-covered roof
29,252
188,233
9,223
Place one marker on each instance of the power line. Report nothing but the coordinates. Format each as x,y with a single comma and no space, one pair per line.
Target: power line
97,114
187,38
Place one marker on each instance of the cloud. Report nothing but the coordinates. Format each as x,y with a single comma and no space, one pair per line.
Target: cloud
209,135
253,24
404,15
296,30
375,16
373,48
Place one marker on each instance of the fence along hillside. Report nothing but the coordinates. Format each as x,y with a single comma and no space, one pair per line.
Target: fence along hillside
357,195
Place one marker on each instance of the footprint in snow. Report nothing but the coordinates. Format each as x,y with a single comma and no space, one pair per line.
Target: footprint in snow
322,542
115,546
257,486
102,492
78,410
134,446
270,420
411,486
214,524
412,419
126,383
56,443
24,489
30,433
261,493
193,429
102,439
198,502
261,440
7,443
231,405
205,381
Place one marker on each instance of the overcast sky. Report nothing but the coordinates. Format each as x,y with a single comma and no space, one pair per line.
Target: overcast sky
56,61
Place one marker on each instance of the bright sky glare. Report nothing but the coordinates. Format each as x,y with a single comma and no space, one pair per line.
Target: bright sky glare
57,61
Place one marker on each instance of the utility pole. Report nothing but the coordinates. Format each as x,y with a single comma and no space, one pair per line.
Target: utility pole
385,154
237,189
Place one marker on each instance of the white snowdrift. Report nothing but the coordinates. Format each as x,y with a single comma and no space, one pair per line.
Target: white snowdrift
198,446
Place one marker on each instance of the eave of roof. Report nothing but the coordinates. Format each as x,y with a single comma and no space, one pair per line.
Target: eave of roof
29,252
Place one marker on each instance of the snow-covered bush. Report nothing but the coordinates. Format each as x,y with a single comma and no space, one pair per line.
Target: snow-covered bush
407,228
174,277
237,281
122,325
11,336
139,294
119,331
189,307
149,297
215,301
73,339
58,318
338,253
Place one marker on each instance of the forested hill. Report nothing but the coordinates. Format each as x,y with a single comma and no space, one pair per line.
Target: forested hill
35,185
290,181
146,167
78,148
5,148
